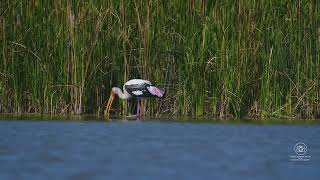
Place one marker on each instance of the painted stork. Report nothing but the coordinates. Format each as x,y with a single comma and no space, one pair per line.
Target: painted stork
137,88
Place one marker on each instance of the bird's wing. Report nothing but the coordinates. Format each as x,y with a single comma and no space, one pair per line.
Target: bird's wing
138,90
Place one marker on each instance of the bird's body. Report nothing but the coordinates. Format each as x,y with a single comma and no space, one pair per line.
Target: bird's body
138,88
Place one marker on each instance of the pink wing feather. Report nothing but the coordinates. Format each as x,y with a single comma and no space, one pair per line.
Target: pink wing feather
155,91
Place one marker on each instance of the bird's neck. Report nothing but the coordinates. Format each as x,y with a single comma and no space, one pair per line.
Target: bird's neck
122,95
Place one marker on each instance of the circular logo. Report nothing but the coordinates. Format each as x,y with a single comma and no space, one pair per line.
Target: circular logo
300,148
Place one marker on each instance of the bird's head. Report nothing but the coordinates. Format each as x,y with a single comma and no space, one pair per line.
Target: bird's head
114,91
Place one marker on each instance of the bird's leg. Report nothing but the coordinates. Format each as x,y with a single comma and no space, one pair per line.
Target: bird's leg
143,107
138,108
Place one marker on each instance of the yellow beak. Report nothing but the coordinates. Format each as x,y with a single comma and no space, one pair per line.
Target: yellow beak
109,104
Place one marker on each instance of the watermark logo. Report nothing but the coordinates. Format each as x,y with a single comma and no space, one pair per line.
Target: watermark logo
301,152
300,148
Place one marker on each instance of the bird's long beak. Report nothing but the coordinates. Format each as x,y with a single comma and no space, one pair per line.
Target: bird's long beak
109,104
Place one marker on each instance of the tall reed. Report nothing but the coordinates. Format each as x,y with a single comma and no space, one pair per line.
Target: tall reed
214,58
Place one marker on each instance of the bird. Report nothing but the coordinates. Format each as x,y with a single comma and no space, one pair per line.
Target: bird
137,88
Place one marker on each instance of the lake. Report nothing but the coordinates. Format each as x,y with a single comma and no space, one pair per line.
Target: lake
156,149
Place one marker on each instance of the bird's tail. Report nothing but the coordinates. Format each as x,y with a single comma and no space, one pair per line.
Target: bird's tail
156,91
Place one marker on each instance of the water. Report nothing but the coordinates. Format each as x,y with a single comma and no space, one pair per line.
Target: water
155,150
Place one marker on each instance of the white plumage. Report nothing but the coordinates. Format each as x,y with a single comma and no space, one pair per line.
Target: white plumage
137,81
137,93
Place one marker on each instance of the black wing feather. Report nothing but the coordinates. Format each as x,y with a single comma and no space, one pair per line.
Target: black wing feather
138,87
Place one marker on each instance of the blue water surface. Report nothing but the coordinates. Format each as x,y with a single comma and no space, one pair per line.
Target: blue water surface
37,150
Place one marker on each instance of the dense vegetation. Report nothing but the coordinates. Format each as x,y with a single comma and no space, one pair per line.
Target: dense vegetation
226,58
